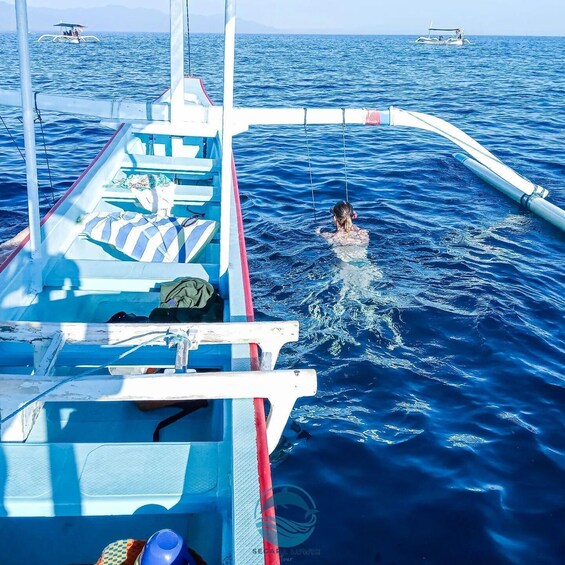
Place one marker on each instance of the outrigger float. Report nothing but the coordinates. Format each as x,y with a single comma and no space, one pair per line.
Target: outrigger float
125,411
70,33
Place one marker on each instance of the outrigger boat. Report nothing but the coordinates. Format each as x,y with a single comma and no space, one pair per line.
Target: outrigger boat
457,37
70,33
114,427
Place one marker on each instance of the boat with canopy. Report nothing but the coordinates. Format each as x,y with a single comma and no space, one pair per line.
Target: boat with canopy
69,33
456,37
133,374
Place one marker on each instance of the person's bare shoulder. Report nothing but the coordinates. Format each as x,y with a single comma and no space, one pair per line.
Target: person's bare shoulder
363,236
354,237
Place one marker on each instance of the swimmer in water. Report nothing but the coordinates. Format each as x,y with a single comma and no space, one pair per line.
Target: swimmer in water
348,241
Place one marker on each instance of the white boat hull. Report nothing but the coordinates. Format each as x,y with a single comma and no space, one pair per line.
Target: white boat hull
217,461
68,39
435,41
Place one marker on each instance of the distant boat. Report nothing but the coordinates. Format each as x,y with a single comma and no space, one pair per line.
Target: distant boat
70,33
456,38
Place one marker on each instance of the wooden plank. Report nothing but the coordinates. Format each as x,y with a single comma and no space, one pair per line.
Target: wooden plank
110,108
184,193
282,388
269,336
299,116
136,334
185,129
19,428
46,364
175,387
169,164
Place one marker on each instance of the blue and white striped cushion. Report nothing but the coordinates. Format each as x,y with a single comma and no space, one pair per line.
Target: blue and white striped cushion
151,238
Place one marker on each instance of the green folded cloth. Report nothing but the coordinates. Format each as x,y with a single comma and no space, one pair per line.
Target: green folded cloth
186,293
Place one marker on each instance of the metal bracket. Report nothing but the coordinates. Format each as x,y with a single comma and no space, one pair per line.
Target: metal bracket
184,341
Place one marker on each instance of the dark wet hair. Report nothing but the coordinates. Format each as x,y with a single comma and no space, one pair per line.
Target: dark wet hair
344,214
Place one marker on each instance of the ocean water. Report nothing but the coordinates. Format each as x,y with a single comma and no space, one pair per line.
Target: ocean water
437,434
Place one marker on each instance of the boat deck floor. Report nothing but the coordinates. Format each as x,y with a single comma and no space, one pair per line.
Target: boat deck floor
80,452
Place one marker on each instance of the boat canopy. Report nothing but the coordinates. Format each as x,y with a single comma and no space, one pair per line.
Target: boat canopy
61,24
69,33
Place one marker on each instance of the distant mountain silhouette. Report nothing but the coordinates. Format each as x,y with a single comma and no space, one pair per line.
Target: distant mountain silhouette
120,18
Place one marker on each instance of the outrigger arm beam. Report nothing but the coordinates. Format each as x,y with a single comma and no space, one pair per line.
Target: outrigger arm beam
142,115
481,161
105,108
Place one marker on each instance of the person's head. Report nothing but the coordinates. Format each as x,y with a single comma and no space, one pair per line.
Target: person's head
343,216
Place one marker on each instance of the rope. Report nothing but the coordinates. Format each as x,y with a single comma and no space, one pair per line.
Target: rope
40,120
76,377
310,165
345,158
12,138
188,39
177,337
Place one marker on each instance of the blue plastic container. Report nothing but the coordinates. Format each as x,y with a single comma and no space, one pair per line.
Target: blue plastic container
165,547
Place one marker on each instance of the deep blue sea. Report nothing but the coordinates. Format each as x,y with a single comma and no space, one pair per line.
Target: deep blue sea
438,432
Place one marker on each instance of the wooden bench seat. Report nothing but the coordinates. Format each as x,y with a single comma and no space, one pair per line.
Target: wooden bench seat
184,193
124,275
169,164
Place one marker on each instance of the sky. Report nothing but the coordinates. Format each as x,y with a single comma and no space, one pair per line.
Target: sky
478,17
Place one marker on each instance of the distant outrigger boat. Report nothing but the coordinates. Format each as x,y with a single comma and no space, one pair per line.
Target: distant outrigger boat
70,33
82,463
457,38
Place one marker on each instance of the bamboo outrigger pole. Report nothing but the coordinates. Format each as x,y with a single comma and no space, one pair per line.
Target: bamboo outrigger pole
177,61
227,135
534,201
36,283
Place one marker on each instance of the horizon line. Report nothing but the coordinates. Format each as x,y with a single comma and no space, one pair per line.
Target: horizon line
355,34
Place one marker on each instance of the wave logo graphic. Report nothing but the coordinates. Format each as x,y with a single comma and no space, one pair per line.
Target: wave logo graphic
296,516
